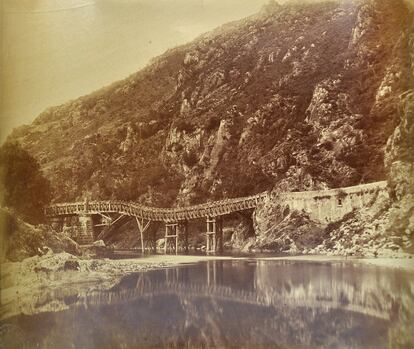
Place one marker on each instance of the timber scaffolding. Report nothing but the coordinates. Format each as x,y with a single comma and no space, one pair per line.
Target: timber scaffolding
175,219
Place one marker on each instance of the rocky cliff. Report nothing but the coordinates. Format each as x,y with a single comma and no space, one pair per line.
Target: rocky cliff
296,97
384,226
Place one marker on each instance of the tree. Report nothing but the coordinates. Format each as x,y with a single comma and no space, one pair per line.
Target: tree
22,184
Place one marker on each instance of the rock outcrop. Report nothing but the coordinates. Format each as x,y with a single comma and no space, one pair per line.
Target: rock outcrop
399,161
21,240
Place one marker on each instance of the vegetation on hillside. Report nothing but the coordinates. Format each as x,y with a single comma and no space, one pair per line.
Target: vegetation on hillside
23,186
297,97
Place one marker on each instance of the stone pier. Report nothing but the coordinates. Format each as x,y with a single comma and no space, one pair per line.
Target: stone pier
86,233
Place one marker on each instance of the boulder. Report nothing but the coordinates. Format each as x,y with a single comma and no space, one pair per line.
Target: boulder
71,265
99,243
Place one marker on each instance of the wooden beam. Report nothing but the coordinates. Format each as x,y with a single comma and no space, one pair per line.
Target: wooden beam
146,226
117,219
103,215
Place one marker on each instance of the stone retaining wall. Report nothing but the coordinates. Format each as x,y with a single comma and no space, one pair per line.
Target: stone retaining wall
331,205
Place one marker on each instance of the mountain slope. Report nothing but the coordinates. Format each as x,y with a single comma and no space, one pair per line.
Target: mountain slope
296,97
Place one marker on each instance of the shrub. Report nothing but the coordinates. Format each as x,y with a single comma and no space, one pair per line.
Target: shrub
190,158
213,122
23,186
184,125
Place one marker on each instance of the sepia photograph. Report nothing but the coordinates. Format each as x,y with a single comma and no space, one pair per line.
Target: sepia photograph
196,174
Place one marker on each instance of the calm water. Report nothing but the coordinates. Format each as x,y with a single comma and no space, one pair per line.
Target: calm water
230,304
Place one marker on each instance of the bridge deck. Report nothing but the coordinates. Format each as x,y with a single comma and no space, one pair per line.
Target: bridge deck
213,209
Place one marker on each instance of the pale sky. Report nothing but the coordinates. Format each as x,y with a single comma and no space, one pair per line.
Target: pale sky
57,50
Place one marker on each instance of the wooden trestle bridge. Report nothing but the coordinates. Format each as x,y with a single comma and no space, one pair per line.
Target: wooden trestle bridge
97,214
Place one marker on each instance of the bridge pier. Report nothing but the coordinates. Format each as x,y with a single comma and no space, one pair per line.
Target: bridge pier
214,235
57,223
86,235
171,237
176,234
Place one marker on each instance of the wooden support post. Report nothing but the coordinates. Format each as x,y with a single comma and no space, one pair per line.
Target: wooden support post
175,232
220,234
176,238
171,231
154,242
142,242
208,236
211,235
185,227
214,235
142,227
166,239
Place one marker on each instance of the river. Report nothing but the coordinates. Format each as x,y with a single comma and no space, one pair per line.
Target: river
230,304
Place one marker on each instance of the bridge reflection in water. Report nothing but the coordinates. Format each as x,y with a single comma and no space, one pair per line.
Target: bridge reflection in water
267,286
243,304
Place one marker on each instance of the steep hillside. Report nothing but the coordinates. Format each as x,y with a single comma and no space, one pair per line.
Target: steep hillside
296,97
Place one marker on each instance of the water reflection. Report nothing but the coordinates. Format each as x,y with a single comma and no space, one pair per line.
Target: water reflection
232,304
